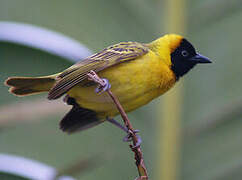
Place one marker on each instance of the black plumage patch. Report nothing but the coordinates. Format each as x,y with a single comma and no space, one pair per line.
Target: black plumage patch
78,118
180,58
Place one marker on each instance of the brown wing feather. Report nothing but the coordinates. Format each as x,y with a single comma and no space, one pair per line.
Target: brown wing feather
110,56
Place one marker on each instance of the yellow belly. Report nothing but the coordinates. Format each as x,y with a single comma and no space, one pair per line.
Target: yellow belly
135,83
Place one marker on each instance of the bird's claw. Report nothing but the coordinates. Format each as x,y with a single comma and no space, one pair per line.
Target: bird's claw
105,87
138,143
128,138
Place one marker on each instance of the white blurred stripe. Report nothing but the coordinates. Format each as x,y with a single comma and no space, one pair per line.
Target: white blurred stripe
28,168
43,39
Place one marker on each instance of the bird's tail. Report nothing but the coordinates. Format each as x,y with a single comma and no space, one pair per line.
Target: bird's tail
23,86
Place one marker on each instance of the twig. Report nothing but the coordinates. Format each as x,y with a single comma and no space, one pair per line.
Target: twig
136,149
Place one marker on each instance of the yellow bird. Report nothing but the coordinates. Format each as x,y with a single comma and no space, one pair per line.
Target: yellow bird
137,72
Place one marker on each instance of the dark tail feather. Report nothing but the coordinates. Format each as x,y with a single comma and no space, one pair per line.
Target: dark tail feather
78,119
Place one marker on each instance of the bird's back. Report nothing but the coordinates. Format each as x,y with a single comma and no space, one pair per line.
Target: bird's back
134,82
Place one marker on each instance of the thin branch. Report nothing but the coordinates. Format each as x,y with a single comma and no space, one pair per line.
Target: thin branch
143,175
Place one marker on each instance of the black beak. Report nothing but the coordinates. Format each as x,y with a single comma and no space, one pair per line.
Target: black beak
198,58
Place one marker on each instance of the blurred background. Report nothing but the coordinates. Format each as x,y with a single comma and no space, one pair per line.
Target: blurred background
195,136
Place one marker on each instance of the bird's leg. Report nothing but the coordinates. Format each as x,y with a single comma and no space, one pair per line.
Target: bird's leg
100,89
104,85
117,124
128,137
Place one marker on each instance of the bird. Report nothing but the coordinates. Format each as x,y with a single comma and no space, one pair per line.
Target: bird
136,72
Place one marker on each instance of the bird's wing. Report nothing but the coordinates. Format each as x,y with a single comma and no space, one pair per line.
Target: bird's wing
110,56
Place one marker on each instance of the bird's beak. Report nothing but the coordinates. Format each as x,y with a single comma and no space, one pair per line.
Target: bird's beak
198,58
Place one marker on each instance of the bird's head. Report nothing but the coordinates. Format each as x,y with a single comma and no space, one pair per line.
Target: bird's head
182,55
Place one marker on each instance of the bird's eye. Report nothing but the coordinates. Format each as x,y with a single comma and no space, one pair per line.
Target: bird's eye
184,53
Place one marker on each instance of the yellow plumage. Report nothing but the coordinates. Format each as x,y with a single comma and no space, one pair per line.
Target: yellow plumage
137,73
135,83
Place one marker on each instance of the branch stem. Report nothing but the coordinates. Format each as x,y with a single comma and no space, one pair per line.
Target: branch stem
143,175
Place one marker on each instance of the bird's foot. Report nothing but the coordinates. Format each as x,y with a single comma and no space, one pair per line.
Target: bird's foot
100,89
128,138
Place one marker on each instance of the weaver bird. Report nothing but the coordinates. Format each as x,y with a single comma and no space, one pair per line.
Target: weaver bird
137,72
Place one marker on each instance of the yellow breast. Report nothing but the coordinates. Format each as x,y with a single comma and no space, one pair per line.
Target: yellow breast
135,83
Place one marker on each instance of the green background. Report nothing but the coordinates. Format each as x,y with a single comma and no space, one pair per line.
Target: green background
208,151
